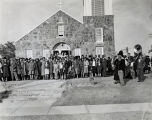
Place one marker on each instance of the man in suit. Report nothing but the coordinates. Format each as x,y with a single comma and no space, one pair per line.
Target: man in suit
104,65
140,69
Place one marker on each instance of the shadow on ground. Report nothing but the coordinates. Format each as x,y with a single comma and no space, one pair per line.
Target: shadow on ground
4,95
128,80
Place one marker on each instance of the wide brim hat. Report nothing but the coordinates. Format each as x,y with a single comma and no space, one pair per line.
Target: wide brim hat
121,53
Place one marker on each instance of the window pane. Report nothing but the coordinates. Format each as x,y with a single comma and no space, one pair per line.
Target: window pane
77,52
61,30
99,34
46,53
29,53
99,50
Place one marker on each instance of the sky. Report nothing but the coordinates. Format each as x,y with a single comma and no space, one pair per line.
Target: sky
132,19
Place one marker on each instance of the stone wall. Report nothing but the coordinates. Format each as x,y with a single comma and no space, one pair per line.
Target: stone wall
107,23
45,36
77,35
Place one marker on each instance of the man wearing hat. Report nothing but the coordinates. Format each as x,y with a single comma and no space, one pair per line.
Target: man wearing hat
140,68
120,68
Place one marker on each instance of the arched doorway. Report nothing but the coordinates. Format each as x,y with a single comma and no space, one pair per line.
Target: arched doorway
62,49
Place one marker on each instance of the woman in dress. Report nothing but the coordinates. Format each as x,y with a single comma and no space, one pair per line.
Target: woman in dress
56,69
43,68
47,70
31,69
86,64
65,68
36,69
77,67
61,68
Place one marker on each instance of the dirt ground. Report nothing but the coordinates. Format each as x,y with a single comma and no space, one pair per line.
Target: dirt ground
106,92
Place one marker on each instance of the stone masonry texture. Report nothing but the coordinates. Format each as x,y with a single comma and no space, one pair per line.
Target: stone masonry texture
76,35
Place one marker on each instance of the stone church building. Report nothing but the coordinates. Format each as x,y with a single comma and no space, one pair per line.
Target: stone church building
63,34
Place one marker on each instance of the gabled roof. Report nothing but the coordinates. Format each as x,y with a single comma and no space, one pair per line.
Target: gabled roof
60,12
63,13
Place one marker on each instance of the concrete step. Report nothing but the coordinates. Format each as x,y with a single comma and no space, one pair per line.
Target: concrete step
26,94
137,111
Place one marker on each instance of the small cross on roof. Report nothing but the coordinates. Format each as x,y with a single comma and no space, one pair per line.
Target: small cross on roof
60,4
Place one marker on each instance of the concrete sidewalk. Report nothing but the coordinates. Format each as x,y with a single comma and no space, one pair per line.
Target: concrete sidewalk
35,98
31,97
46,109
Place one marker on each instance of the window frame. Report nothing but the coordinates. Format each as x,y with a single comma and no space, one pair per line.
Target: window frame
99,35
61,32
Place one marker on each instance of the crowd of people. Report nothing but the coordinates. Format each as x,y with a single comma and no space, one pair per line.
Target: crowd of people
54,68
131,67
69,67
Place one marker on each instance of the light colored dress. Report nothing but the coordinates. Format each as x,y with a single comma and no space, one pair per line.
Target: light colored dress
43,68
46,71
86,64
46,68
31,68
56,70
